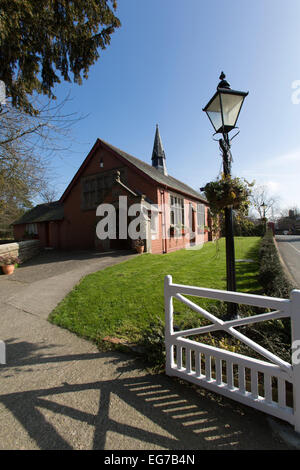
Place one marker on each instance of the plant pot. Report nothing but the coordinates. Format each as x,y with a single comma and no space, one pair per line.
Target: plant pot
140,249
8,269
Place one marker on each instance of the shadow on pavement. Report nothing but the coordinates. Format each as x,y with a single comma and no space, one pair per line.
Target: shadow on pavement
153,410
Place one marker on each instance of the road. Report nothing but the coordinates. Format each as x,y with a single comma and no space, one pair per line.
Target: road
289,248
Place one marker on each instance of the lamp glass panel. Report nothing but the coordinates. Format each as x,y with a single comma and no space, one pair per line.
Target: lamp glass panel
231,105
214,113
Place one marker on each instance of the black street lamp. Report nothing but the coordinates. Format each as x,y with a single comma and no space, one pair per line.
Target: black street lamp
223,111
264,207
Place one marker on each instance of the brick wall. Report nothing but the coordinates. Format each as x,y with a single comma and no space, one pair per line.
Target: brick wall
78,228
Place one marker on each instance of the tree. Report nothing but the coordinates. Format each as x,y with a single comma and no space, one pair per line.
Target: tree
26,144
291,212
42,42
46,132
49,194
22,175
260,195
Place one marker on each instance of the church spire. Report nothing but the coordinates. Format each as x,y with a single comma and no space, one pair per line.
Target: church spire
158,154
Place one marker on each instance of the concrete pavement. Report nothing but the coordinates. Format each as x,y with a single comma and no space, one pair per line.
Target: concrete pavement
59,392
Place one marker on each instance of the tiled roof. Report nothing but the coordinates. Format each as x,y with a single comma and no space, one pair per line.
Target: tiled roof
47,212
156,175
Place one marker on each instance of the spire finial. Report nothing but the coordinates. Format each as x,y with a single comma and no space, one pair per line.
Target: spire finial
158,154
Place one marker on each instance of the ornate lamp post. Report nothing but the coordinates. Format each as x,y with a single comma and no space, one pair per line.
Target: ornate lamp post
223,111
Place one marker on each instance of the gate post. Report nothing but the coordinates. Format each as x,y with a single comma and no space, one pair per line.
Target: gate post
168,325
295,325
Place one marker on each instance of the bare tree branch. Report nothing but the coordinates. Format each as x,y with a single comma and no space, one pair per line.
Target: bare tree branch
260,195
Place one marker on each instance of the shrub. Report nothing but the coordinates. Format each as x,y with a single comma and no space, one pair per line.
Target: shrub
153,344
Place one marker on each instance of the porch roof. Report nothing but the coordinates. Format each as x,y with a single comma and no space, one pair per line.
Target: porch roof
47,212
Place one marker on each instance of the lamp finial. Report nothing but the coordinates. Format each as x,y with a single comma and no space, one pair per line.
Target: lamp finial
223,83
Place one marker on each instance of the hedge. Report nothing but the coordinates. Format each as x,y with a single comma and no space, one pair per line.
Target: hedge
271,273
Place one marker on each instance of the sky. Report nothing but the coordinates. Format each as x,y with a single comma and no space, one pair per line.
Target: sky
163,66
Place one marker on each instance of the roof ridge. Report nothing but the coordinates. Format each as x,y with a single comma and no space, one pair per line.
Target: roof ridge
154,173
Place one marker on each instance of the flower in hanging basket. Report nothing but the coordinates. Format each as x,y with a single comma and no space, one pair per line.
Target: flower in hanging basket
227,192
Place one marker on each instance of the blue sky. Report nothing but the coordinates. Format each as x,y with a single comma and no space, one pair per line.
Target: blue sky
163,66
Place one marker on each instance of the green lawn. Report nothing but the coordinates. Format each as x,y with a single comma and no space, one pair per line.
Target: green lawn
121,301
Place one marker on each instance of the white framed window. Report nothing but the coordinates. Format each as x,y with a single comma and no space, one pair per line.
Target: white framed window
200,217
176,210
32,229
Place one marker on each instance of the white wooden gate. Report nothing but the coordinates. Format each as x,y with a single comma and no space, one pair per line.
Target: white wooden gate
271,386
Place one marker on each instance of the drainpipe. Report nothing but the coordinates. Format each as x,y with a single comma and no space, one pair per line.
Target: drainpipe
164,227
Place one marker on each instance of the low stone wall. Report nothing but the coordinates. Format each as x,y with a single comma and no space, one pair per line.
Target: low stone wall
24,250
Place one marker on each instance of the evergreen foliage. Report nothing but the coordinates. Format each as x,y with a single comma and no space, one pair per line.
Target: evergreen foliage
44,41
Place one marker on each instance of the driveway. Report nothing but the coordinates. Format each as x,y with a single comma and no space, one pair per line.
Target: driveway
59,392
40,284
289,249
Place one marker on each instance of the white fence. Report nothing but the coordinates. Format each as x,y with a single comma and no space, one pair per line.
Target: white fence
272,387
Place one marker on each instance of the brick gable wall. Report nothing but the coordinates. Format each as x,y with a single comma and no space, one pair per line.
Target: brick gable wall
77,230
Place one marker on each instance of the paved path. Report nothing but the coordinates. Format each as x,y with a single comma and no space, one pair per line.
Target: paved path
289,249
58,391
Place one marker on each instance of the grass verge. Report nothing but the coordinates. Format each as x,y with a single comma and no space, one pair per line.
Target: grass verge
123,300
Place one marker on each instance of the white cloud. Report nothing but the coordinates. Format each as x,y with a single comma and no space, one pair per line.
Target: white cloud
280,175
291,157
273,186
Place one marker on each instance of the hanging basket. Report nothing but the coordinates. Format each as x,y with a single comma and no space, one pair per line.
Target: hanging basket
225,193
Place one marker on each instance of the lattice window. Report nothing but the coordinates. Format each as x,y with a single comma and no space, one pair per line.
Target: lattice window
95,187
